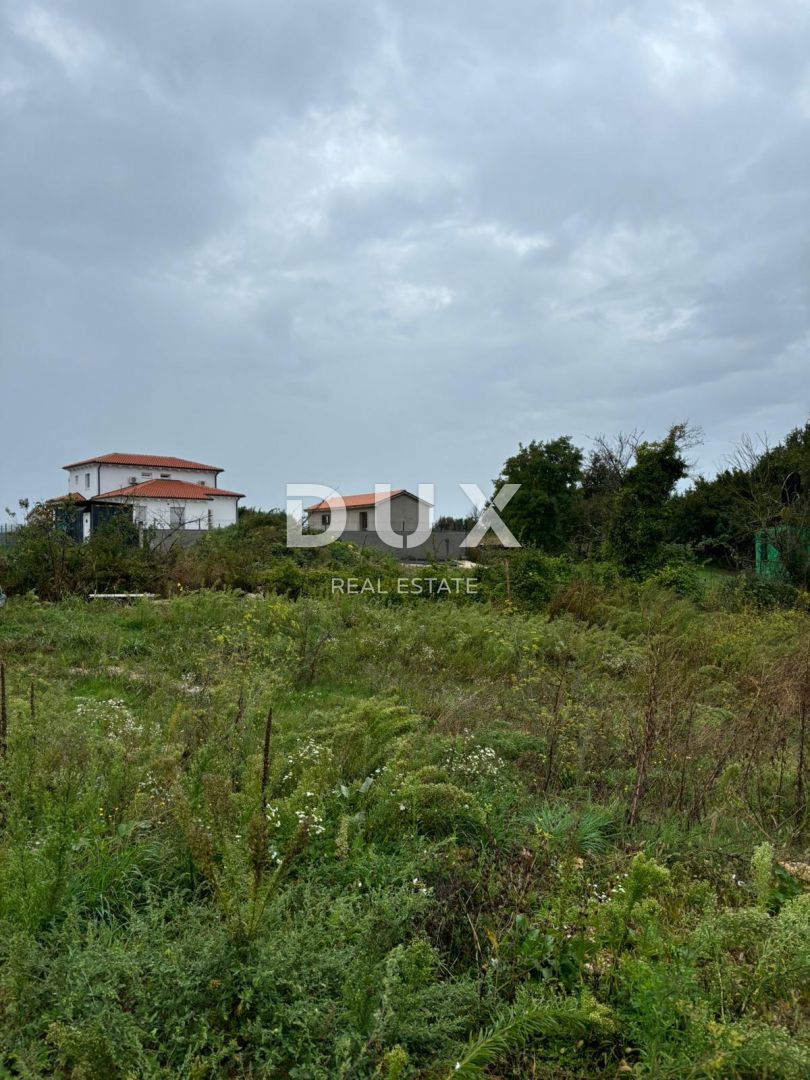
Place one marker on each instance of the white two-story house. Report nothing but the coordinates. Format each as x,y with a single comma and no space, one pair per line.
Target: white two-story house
165,493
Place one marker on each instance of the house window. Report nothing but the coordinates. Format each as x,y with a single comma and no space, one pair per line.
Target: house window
146,474
87,481
325,519
177,516
165,476
202,483
139,515
76,479
363,520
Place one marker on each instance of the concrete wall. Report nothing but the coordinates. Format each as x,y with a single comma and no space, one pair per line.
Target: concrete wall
165,539
443,545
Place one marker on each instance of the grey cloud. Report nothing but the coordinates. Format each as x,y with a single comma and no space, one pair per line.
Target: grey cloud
345,243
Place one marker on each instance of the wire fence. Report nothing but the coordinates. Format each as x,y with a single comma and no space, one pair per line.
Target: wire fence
8,534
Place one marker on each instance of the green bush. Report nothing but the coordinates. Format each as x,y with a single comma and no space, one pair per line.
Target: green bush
682,577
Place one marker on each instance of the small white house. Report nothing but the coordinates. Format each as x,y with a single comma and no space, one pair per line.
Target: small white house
362,510
164,492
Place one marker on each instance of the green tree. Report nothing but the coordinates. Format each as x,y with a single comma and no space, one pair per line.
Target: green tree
543,512
766,489
640,522
710,517
608,462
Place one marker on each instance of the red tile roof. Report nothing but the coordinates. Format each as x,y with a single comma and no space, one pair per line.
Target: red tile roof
167,489
355,501
72,496
146,460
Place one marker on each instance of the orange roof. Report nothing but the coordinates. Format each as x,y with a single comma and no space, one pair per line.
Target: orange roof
167,489
154,460
355,501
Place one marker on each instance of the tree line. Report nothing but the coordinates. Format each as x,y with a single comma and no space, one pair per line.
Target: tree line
624,501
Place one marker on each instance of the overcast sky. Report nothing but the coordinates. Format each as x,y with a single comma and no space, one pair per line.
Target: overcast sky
348,242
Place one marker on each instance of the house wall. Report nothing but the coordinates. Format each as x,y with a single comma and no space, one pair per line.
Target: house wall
353,517
104,478
223,510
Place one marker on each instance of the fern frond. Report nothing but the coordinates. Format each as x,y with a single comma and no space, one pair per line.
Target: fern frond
521,1025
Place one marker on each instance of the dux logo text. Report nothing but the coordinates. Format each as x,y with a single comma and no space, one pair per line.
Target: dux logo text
333,516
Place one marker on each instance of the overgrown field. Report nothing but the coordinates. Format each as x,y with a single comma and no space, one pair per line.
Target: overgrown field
260,837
